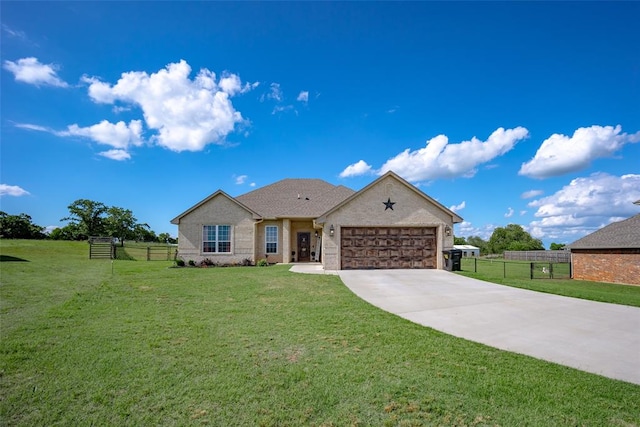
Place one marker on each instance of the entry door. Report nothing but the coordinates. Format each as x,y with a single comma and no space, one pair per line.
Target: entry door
304,245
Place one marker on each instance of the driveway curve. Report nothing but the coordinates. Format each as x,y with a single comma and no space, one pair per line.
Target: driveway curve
591,336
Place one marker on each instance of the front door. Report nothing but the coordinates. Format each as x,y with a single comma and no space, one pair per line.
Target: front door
304,245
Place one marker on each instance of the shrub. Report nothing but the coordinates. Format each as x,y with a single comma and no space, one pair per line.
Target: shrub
192,263
180,262
207,263
246,262
263,263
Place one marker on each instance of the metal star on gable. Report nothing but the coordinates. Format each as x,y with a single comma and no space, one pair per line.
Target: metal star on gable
388,204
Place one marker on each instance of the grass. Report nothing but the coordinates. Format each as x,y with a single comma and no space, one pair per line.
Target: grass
153,345
518,275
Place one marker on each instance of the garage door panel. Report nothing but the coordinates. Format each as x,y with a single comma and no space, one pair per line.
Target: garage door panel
388,247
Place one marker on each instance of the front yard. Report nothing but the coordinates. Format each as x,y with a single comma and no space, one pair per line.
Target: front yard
139,343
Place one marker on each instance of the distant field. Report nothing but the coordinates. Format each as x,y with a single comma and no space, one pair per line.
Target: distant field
133,343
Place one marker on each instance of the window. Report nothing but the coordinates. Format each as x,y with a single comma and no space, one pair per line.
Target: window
216,239
271,239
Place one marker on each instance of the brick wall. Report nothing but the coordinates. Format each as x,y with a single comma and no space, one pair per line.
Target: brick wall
612,266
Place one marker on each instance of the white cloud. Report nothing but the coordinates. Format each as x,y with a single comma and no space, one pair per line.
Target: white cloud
531,194
253,184
118,135
187,114
585,205
274,93
12,190
358,168
523,213
509,213
241,179
31,71
441,159
467,229
38,128
303,96
116,154
459,207
282,108
561,154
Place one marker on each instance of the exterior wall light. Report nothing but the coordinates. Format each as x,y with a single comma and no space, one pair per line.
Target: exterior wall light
331,230
447,230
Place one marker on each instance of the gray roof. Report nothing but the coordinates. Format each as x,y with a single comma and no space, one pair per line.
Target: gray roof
295,198
618,235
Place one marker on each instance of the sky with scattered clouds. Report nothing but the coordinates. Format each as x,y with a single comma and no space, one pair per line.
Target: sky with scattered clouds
505,112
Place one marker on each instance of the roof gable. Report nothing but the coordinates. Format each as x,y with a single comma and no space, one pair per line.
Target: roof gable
455,217
218,193
617,235
295,198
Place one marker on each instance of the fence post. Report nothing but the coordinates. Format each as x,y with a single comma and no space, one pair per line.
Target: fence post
475,265
148,253
550,270
504,269
531,271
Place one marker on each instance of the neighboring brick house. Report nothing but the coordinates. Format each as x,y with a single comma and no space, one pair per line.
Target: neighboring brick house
388,224
611,254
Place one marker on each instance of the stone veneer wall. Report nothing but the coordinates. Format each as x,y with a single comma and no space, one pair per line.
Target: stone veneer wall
218,211
410,209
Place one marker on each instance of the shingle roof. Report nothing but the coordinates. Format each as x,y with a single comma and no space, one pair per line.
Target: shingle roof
617,235
295,198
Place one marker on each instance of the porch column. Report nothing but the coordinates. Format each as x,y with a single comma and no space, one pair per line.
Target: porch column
286,241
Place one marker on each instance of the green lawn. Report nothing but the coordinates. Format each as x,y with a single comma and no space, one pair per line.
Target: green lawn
518,275
138,343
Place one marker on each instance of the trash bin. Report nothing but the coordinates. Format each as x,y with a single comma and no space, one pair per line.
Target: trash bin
447,259
455,257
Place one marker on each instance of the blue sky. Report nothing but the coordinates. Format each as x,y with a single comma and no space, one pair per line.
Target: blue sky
506,112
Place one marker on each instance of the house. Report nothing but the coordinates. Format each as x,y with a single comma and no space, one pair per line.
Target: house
611,254
468,250
387,224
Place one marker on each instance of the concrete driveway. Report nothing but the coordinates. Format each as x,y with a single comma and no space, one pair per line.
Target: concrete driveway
595,337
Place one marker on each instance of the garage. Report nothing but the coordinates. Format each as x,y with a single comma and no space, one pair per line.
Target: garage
387,247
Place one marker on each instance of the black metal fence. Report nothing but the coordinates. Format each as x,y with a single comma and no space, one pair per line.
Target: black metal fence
517,269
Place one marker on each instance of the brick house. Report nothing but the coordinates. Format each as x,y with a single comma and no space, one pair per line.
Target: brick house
387,224
611,254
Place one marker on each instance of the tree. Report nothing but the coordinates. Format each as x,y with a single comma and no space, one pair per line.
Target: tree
459,241
68,232
19,227
478,242
512,238
143,233
166,238
88,216
557,246
120,223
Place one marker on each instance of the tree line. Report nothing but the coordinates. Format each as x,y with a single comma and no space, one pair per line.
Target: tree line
510,238
86,218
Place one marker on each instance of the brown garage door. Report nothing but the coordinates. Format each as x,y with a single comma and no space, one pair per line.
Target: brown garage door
387,247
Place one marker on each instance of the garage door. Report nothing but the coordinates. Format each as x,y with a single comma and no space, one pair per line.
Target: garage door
387,247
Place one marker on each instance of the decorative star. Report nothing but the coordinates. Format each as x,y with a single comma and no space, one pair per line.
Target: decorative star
388,204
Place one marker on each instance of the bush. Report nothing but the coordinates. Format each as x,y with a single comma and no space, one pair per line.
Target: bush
207,263
263,263
180,263
246,262
192,263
